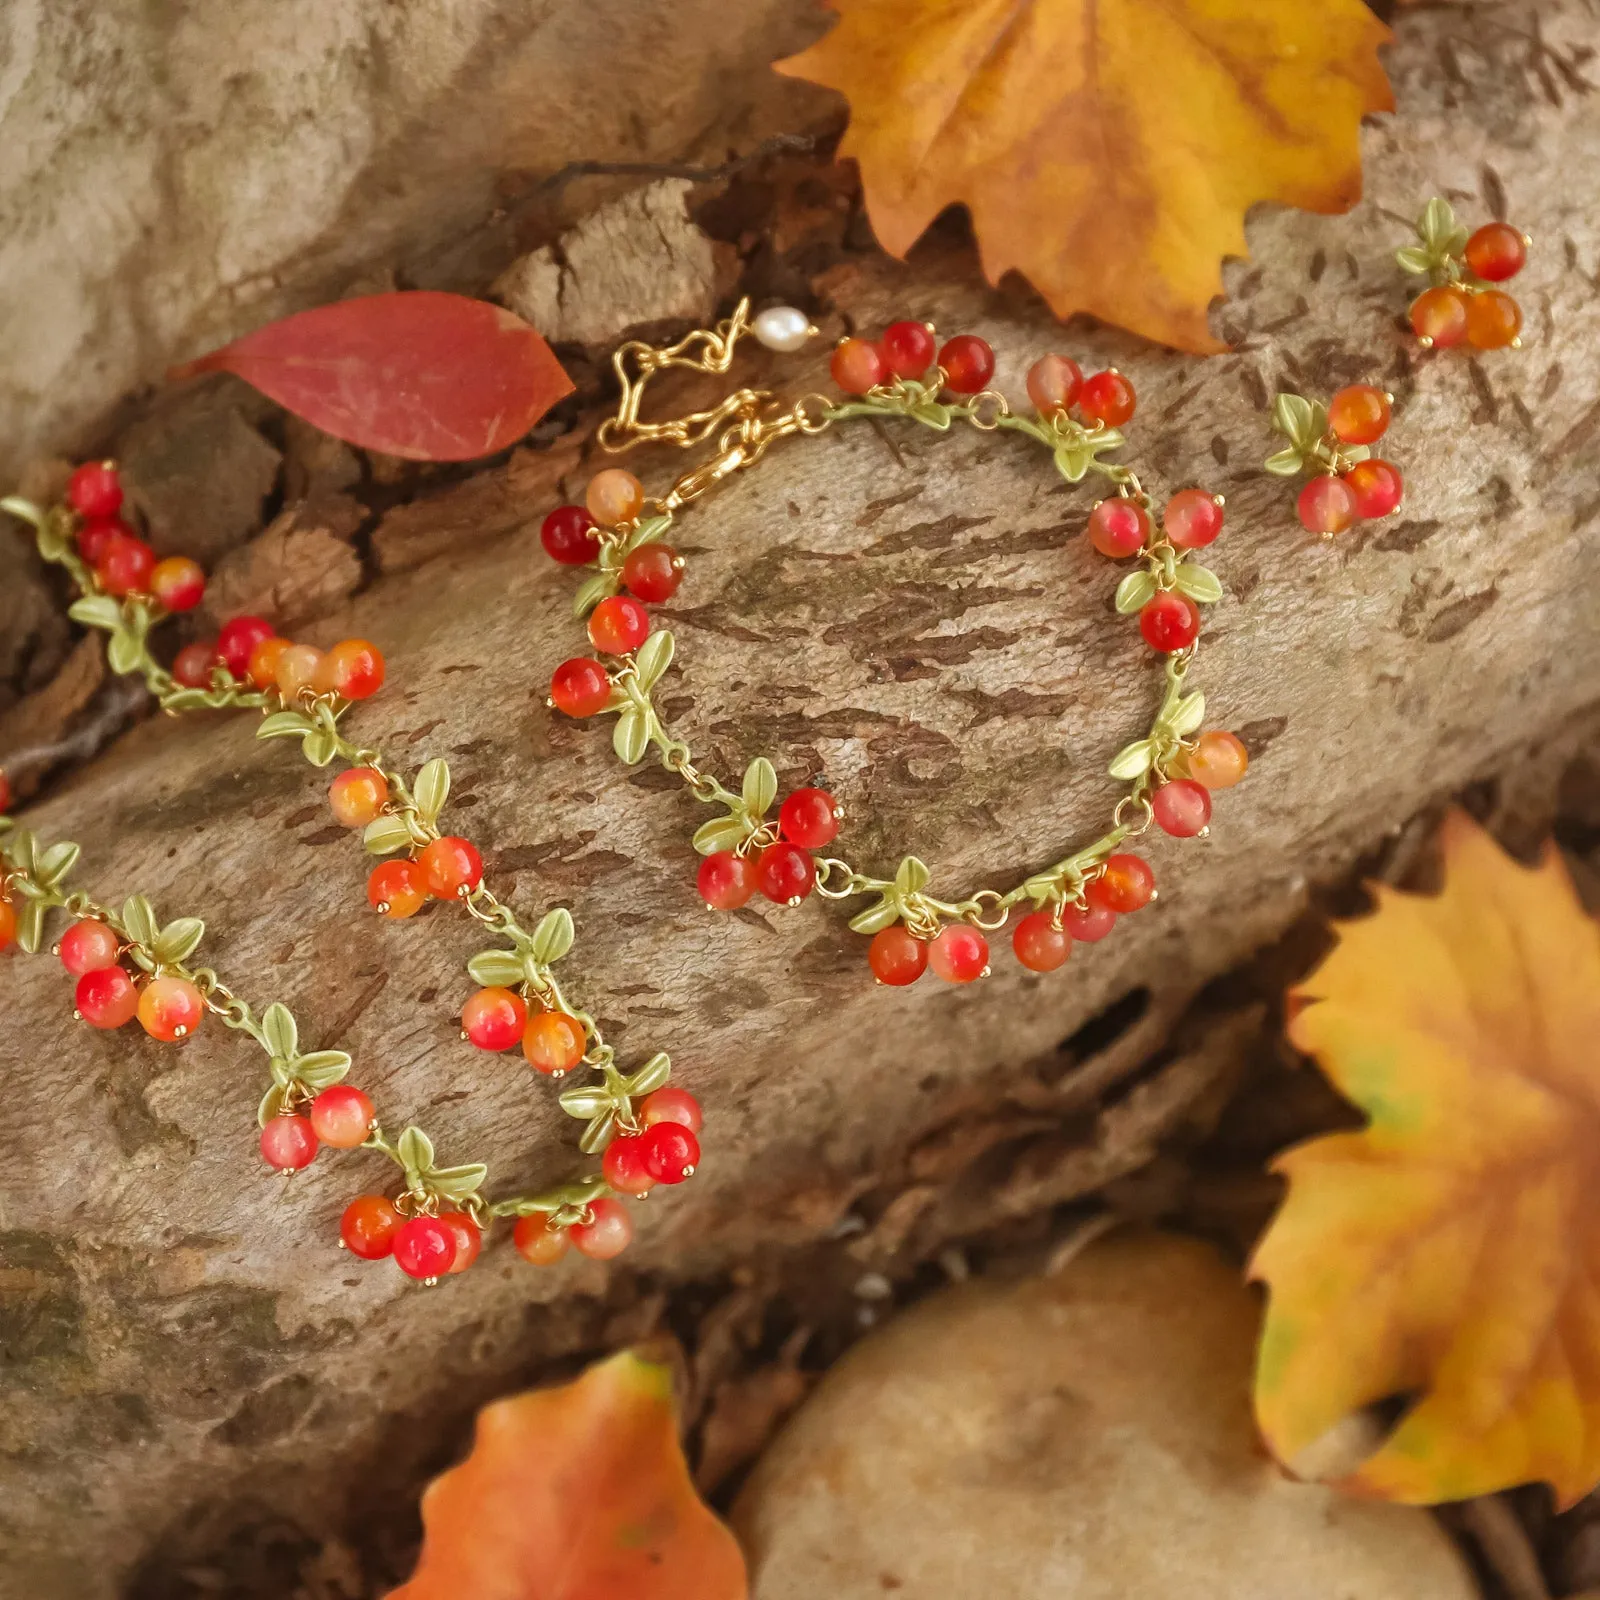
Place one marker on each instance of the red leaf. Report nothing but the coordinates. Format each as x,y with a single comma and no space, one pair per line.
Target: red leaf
433,377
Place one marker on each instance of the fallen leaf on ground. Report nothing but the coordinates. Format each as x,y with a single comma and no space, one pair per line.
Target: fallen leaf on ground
578,1492
1449,1253
427,376
1107,152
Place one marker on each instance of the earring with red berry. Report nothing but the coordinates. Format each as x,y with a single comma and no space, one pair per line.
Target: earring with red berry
1333,443
1463,303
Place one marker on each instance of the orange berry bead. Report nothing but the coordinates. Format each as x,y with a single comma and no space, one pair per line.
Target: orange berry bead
1359,414
342,1116
554,1042
614,496
537,1241
178,583
264,658
353,669
1053,384
1494,320
1126,884
297,670
170,1008
1439,317
397,889
858,366
607,1233
1496,252
368,1226
1326,505
450,865
1218,760
1107,398
358,796
8,923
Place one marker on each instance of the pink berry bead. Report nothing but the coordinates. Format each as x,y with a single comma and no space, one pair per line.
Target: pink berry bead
88,946
1182,807
1119,528
342,1116
671,1104
959,954
1088,924
607,1233
1326,505
1192,519
288,1143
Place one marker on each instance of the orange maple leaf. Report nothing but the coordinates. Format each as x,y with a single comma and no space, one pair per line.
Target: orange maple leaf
576,1493
1107,151
1449,1253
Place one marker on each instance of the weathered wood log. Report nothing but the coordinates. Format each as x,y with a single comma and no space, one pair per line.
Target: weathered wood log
187,1362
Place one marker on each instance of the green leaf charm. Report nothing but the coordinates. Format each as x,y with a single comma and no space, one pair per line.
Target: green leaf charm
431,790
279,1031
97,611
383,835
496,969
124,651
651,1076
760,788
1284,463
415,1150
721,833
178,940
1135,591
652,658
552,939
1200,584
592,591
321,1068
631,736
1133,760
139,919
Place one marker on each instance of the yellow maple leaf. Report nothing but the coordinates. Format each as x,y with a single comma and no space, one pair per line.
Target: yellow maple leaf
1107,151
1449,1253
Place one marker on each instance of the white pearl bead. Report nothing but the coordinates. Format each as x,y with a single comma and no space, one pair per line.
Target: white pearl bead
782,328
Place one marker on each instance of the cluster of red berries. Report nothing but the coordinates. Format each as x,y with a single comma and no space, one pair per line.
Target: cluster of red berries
1359,415
553,1041
1121,527
252,651
122,562
651,573
907,350
107,995
782,868
1487,319
340,1116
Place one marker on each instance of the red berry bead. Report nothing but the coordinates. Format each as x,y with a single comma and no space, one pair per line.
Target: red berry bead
425,1247
5,794
8,923
536,1240
170,1009
88,946
1182,807
607,1233
727,880
369,1225
1039,944
897,957
580,687
554,1042
193,664
95,490
568,535
809,818
1126,884
959,954
1439,316
358,796
1192,519
342,1116
671,1152
858,366
96,533
1494,320
653,572
1497,251
671,1105
1107,398
495,1019
397,889
238,640
1087,924
1326,505
785,873
907,348
469,1238
1054,383
125,566
449,866
1119,528
1359,414
1377,487
353,669
618,625
106,998
623,1165
288,1143
178,583
1169,621
968,363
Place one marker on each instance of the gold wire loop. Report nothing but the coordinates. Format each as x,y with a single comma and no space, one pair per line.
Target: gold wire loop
1146,815
827,869
999,913
1002,408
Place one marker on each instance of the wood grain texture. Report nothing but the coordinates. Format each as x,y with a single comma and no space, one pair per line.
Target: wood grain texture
917,617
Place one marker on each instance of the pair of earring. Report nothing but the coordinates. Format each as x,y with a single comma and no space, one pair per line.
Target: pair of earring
1461,305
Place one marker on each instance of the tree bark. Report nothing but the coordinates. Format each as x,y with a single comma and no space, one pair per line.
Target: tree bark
189,1362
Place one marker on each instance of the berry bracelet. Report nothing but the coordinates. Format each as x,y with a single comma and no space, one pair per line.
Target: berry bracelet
1170,772
128,966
